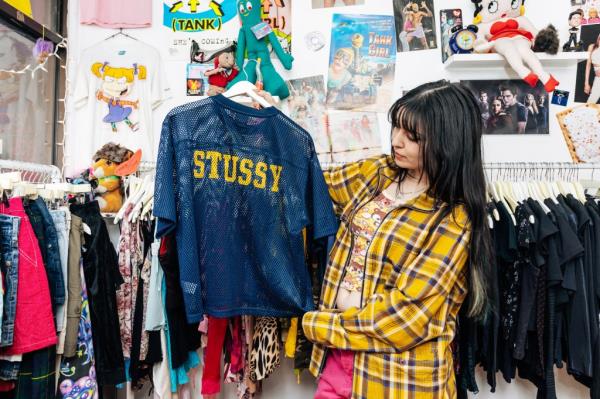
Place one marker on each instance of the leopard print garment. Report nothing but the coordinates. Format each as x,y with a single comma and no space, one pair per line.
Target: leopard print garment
264,357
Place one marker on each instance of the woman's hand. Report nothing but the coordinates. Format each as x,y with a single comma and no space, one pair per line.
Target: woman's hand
587,88
267,96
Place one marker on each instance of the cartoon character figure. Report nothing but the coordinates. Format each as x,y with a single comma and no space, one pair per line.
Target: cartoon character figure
254,49
225,71
504,29
117,84
575,21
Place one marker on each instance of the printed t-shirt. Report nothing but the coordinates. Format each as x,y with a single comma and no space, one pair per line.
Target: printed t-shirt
120,81
239,185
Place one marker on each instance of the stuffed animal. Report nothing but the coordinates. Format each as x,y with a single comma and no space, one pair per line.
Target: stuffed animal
504,29
225,71
106,161
253,48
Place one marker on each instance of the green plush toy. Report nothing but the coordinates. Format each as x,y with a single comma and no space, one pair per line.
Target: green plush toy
257,49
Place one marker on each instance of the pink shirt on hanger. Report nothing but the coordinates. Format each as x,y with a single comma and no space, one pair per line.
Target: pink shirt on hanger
116,13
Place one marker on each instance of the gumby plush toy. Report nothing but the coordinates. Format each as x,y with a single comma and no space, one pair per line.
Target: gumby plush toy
253,49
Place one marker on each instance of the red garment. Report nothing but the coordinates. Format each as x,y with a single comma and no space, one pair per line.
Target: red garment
336,380
34,322
211,375
510,28
6,386
221,79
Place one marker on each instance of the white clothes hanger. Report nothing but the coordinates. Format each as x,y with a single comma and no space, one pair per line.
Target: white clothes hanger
244,87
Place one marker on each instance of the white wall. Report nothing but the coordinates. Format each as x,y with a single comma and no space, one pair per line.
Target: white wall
412,69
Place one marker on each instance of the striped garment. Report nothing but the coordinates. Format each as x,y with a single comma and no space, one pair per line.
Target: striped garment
414,285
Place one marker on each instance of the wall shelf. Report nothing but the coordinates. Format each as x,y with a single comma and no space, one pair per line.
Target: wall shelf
479,61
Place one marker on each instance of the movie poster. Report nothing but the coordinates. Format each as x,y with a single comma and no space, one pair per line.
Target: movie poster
306,107
354,135
587,86
278,14
415,25
361,62
511,106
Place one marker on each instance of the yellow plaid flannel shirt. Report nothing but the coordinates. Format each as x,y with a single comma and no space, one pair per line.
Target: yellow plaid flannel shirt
413,288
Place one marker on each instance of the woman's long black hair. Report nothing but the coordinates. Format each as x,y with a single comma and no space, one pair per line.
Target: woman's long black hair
445,118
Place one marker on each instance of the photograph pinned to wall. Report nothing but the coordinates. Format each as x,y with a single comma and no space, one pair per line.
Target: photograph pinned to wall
448,19
581,128
306,107
362,61
336,3
197,81
587,86
511,106
354,135
590,8
212,24
415,25
278,14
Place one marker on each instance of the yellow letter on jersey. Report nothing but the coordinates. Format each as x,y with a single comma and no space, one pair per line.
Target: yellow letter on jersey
276,172
245,168
198,161
260,170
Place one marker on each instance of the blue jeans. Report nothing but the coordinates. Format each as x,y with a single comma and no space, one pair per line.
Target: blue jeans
44,230
9,264
61,217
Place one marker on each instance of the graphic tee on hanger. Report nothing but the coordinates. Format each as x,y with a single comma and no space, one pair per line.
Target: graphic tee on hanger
116,13
119,82
239,185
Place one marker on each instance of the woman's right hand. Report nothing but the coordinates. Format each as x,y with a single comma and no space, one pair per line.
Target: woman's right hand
587,89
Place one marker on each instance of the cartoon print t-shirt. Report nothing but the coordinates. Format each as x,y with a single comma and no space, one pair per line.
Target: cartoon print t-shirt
120,82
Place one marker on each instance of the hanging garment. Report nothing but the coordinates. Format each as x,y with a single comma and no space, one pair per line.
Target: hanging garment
74,284
77,374
211,374
44,229
34,322
36,378
154,316
101,271
266,348
9,265
62,223
238,185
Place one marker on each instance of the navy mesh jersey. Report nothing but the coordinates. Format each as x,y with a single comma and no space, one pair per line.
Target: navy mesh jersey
239,185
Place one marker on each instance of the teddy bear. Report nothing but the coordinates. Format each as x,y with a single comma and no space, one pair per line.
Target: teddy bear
105,171
224,72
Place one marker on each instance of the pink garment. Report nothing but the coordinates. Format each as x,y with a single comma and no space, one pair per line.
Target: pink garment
34,322
336,380
116,13
211,376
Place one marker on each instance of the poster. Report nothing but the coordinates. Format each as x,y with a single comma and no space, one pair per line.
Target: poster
336,3
581,128
213,24
197,82
354,136
590,9
448,20
415,25
306,107
361,62
587,88
511,106
278,14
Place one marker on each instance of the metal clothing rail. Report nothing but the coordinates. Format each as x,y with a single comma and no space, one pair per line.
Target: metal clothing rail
32,172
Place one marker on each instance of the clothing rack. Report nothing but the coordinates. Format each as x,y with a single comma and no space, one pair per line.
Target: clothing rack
32,172
541,170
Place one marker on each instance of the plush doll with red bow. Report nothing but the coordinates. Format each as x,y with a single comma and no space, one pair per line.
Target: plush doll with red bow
505,30
225,71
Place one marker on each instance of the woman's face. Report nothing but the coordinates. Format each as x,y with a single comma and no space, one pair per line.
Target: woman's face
406,152
341,61
496,107
530,99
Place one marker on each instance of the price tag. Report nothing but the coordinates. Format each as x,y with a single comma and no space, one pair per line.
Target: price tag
261,30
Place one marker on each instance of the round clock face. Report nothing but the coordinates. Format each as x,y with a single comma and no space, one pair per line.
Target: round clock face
465,39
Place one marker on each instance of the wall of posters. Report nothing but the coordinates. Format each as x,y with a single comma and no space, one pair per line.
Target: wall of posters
511,106
362,62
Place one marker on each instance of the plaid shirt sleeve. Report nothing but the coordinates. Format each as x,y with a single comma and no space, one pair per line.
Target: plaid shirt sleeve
342,183
413,312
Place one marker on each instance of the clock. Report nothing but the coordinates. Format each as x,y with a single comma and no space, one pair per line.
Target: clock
463,39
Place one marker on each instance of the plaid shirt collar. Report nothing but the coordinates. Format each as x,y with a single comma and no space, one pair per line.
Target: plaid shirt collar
386,174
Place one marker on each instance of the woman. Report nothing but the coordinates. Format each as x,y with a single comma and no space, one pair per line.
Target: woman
593,17
542,116
499,122
413,245
532,114
593,59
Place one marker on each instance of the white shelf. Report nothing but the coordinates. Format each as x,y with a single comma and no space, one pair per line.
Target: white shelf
470,61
